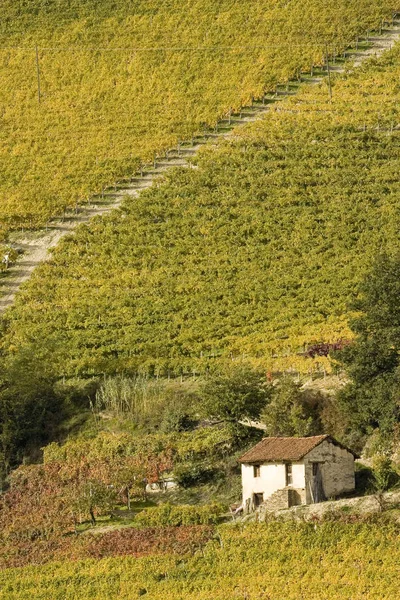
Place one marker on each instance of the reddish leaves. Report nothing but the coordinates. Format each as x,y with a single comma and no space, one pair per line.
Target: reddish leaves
324,348
46,501
149,540
122,542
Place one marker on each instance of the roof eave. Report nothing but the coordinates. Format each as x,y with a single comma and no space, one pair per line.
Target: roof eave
276,460
326,437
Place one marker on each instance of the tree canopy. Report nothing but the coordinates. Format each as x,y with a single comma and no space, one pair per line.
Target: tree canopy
372,398
293,411
236,394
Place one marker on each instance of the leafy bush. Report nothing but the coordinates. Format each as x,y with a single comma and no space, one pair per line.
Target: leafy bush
292,410
385,474
239,392
364,479
10,253
191,473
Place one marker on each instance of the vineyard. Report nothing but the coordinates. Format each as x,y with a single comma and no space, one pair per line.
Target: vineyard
283,561
91,91
255,254
188,283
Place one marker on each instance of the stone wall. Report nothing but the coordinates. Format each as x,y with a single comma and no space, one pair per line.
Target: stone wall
284,498
337,470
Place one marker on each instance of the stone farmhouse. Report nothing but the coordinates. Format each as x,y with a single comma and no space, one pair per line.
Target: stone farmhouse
287,471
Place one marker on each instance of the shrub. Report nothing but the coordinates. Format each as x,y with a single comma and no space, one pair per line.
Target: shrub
192,473
385,475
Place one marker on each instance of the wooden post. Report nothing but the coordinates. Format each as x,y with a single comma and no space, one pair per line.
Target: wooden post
38,73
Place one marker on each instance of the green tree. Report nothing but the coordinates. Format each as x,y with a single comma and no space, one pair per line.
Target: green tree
292,411
30,411
371,399
236,394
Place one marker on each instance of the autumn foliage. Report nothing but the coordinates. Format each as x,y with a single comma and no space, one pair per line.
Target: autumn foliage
123,542
77,481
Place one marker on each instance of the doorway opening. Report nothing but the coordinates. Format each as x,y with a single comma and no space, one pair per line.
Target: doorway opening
258,499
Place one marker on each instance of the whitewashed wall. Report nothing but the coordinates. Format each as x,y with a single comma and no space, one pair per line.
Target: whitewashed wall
272,478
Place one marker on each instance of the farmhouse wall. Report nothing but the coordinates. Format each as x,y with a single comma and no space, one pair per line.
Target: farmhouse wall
272,478
337,470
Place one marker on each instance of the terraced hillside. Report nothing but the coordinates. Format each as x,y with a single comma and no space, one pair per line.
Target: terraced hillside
92,90
256,253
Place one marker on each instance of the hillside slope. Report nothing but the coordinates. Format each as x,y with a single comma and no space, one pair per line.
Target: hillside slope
256,253
283,561
35,246
90,90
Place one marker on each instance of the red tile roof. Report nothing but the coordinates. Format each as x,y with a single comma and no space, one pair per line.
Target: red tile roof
275,449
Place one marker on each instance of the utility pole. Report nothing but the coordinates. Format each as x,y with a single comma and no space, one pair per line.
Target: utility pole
328,70
38,72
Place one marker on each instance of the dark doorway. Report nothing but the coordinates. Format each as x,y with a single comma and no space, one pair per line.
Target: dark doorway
258,499
317,483
294,498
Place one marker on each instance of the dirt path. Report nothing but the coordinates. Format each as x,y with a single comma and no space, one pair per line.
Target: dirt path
36,246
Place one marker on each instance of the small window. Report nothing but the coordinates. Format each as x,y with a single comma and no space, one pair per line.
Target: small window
257,470
315,467
289,475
